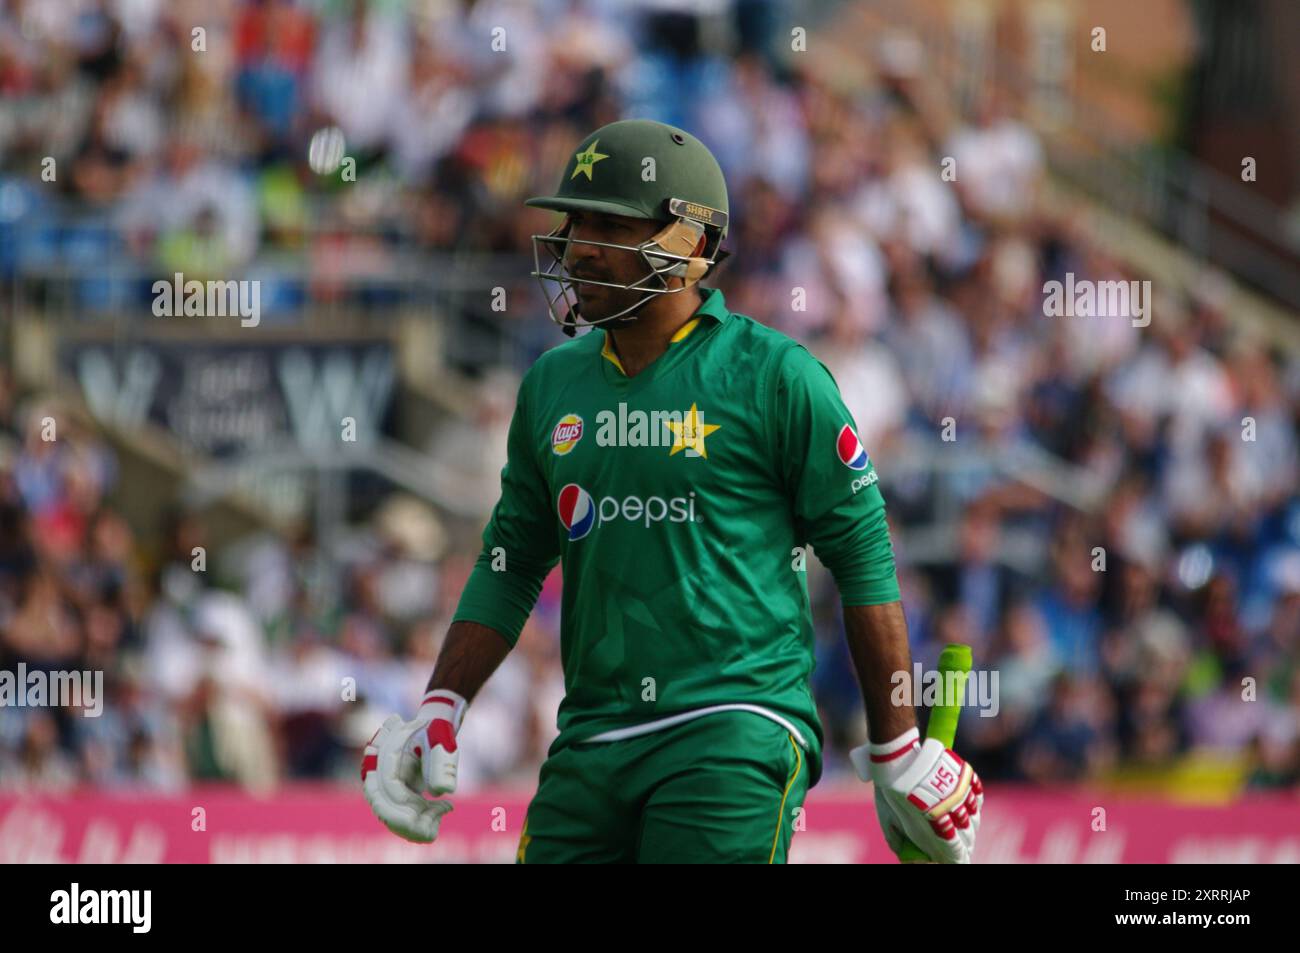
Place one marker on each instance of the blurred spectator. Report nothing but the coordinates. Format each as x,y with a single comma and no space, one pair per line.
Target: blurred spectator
998,162
1067,741
361,73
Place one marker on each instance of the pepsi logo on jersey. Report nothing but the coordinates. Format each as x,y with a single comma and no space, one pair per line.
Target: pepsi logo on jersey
850,449
854,456
580,514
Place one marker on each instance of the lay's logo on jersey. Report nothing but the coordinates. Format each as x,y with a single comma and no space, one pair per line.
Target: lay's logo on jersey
566,434
850,449
577,511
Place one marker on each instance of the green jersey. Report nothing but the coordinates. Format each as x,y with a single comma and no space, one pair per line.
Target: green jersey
681,503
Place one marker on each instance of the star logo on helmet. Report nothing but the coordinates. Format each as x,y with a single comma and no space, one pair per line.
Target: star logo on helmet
586,159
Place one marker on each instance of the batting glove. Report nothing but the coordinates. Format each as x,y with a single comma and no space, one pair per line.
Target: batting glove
925,793
407,759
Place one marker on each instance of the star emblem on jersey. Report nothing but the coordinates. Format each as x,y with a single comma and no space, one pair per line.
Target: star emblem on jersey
587,158
689,433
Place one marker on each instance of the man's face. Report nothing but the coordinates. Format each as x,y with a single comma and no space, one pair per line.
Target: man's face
607,264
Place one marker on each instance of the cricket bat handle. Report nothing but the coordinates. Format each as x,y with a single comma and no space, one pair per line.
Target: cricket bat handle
954,658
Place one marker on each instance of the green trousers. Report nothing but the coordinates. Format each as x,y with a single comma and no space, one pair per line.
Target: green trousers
723,788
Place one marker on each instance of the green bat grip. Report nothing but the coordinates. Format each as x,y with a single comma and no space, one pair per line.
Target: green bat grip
954,658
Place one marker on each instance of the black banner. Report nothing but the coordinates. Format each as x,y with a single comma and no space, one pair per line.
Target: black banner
225,399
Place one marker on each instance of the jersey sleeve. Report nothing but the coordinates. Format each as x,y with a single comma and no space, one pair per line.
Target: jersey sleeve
830,481
520,542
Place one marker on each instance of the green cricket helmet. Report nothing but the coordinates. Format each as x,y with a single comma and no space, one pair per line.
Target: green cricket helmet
641,169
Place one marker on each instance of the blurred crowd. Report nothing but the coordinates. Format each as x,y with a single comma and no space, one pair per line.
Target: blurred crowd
1114,524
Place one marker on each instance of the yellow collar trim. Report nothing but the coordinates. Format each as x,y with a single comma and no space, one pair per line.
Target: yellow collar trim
684,330
607,352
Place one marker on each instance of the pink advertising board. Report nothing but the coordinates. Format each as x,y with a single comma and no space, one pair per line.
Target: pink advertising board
307,824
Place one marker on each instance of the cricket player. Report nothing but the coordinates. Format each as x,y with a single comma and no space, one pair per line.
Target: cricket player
678,460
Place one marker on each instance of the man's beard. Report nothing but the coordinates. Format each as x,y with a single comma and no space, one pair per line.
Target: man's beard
612,301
